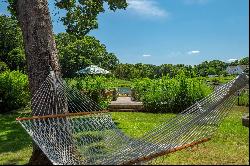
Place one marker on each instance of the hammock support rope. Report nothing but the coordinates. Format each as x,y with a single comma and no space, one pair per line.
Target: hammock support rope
70,128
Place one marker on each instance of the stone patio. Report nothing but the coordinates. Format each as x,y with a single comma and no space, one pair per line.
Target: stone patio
125,104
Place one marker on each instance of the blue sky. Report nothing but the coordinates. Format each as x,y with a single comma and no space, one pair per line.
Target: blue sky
174,31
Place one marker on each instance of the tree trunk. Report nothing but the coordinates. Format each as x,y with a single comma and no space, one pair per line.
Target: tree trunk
40,50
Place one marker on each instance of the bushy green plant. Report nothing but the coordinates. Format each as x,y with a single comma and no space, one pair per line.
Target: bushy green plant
14,92
158,95
243,99
3,66
170,95
98,88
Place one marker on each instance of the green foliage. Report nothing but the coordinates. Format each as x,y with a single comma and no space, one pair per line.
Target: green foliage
244,61
165,94
243,99
64,39
81,15
131,71
234,63
158,95
3,67
14,91
219,80
11,44
211,68
80,18
170,95
101,89
16,59
125,71
76,54
12,8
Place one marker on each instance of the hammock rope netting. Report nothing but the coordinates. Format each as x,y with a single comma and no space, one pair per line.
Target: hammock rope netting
70,128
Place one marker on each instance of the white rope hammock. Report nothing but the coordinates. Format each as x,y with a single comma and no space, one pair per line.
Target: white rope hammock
72,129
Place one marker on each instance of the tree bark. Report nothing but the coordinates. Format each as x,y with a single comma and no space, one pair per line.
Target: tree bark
40,50
39,43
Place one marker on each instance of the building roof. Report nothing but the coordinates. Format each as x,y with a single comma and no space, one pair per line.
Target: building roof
231,67
243,67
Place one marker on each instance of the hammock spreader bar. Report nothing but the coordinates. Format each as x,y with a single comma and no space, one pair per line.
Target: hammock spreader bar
61,115
165,152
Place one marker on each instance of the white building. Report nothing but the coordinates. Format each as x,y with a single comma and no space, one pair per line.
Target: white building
236,69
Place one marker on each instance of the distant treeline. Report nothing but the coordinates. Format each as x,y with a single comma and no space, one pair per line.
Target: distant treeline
78,52
215,67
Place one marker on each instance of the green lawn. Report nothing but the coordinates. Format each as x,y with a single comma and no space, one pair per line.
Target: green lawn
230,144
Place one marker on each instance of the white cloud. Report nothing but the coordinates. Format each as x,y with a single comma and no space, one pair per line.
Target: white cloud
231,60
146,8
146,55
193,52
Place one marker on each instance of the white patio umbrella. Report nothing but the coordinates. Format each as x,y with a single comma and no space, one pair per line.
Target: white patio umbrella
93,69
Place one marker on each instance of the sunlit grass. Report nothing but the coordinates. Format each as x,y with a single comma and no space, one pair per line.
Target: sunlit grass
229,145
136,124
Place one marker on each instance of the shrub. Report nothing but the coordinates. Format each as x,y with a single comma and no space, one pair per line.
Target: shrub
158,95
3,66
243,99
170,95
98,88
14,92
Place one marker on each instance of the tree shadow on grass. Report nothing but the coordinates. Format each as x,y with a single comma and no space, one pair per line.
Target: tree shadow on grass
117,125
12,136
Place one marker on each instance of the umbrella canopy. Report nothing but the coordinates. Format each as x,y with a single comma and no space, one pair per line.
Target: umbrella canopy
93,69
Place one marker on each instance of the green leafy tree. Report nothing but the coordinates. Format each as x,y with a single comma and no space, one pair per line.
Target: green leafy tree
212,67
166,69
76,54
11,43
211,71
81,16
16,59
234,63
3,67
125,71
244,61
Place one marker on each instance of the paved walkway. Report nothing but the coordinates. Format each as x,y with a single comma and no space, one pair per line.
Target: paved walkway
125,104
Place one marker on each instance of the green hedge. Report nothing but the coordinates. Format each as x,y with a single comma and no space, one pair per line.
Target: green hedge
14,92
